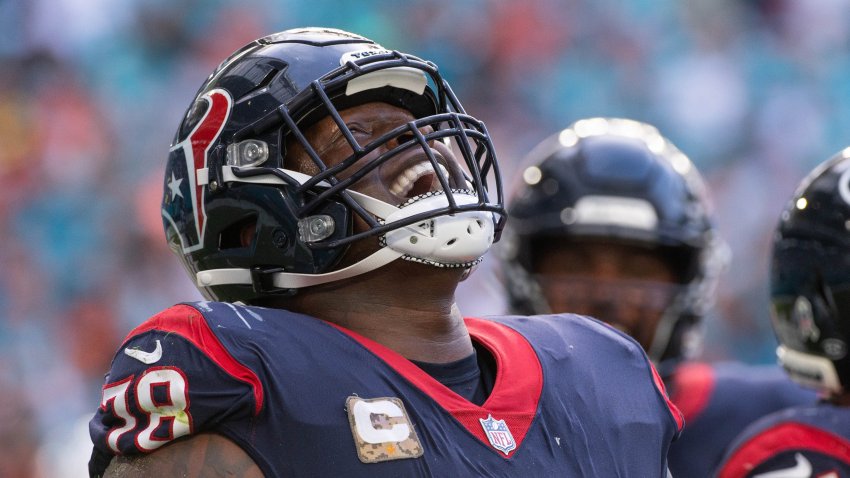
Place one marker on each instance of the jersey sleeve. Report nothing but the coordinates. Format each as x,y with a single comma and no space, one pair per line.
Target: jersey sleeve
170,378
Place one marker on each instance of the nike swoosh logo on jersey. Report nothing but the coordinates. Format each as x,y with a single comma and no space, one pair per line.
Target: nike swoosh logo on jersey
146,357
803,469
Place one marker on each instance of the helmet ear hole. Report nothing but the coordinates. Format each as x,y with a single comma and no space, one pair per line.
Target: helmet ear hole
239,234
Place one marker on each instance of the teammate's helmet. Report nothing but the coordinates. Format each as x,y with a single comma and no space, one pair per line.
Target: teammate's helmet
810,278
616,180
226,168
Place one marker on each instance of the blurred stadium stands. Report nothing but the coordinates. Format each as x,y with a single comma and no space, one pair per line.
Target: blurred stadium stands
756,92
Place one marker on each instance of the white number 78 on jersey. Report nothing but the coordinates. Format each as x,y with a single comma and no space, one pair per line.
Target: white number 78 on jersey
170,415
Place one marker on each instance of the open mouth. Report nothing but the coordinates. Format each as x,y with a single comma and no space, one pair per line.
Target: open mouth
417,179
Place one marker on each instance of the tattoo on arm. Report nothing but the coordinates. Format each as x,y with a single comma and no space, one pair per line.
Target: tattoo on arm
204,455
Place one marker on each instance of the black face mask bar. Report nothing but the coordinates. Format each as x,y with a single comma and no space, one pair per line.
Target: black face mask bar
451,123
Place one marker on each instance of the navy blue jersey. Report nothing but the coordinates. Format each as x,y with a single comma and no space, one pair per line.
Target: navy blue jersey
303,397
811,441
718,401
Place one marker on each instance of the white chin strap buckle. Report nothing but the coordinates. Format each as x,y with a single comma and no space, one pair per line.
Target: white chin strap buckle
458,240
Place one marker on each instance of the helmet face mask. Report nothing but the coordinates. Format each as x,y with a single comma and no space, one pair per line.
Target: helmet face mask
637,308
614,183
230,167
582,275
810,282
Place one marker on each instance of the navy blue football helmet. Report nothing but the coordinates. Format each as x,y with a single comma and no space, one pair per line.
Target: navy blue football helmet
227,169
810,279
611,180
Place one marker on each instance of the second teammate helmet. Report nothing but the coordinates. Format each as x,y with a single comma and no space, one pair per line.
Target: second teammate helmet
810,279
616,180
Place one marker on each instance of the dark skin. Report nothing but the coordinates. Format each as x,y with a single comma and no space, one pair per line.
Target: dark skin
602,269
421,323
417,322
842,400
205,454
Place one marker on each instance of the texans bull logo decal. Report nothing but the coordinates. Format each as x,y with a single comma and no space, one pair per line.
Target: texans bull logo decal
186,179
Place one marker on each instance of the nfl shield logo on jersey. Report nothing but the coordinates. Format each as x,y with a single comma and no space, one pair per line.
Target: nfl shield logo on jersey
498,433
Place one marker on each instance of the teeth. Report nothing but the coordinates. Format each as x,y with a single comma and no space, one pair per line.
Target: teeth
405,180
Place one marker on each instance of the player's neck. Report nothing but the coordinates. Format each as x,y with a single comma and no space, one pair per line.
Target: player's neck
409,308
421,335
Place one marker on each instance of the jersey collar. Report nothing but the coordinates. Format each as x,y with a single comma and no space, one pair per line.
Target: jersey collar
516,390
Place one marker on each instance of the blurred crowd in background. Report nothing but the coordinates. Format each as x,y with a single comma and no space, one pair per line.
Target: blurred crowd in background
756,92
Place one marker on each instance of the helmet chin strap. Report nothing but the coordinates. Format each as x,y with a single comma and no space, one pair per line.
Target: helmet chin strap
452,241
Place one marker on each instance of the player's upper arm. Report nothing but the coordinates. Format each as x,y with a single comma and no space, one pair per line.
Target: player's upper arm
171,378
201,455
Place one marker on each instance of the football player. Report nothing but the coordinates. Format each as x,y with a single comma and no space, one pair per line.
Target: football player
612,221
327,195
810,305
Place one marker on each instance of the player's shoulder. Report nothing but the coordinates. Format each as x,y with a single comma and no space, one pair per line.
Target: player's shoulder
820,415
736,375
189,339
766,383
817,435
572,328
201,321
714,389
222,345
731,371
179,317
583,345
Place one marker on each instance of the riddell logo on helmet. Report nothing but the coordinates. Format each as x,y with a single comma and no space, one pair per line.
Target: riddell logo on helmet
359,55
